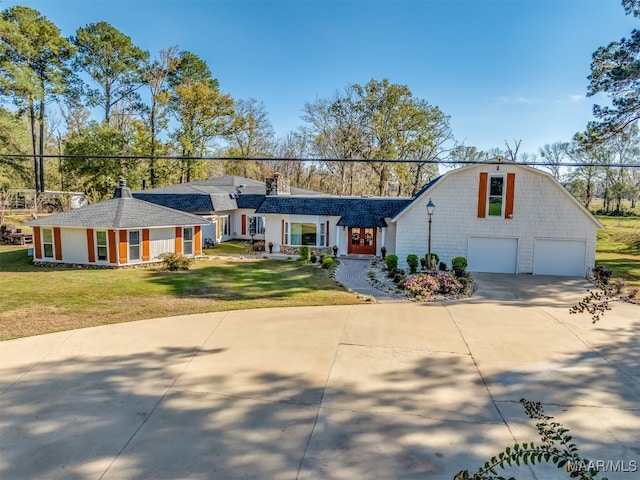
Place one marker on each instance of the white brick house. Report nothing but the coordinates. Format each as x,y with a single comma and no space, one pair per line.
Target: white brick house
505,218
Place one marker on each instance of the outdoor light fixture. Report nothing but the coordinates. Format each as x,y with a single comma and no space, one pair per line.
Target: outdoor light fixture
430,209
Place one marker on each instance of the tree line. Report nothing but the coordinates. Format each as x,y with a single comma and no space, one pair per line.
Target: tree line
170,104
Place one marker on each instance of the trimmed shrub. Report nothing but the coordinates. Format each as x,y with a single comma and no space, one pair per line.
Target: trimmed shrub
175,262
395,271
313,258
459,262
391,261
305,254
442,267
399,278
328,262
412,261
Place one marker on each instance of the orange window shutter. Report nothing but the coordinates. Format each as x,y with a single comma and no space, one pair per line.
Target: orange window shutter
511,184
197,239
113,251
58,243
91,248
244,224
326,237
482,195
37,246
218,228
123,247
178,239
145,244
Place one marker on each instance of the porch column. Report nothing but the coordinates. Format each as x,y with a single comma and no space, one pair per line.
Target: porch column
383,239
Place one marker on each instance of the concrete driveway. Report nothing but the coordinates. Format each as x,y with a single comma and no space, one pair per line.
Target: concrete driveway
383,391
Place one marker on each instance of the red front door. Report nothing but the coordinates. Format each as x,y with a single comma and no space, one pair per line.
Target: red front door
362,240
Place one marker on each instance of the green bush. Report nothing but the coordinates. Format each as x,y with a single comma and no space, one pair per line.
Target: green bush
459,262
175,261
313,259
399,279
413,262
391,261
442,267
328,262
305,254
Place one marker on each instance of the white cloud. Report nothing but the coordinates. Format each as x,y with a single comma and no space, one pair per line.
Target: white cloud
516,100
576,98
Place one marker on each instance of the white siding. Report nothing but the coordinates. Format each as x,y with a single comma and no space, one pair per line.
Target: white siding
74,245
161,240
541,210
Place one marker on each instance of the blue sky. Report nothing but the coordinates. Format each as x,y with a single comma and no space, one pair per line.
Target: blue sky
502,70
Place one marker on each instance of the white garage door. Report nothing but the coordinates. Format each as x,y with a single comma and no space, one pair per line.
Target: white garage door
491,254
559,257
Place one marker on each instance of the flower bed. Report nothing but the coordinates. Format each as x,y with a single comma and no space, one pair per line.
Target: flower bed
421,287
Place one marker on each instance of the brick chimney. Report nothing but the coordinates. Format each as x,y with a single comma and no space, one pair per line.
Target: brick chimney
278,185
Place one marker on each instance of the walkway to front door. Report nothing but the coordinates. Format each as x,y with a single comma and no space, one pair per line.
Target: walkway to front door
362,240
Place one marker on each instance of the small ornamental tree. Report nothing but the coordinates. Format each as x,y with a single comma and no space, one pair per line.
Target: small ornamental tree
413,262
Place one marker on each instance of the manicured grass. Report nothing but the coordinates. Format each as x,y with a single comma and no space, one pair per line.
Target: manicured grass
618,248
38,300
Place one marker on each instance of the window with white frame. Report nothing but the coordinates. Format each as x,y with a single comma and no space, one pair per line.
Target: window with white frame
134,245
496,196
47,242
255,225
187,241
101,246
225,225
304,234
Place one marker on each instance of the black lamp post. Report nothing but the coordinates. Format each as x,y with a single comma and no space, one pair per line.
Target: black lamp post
430,208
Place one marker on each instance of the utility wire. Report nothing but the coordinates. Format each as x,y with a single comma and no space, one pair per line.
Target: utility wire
327,160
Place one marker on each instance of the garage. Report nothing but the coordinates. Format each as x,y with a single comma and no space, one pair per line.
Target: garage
492,254
559,257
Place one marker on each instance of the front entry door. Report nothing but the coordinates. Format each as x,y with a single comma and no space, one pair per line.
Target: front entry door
362,240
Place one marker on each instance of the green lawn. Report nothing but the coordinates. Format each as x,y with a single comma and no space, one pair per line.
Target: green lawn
618,248
39,300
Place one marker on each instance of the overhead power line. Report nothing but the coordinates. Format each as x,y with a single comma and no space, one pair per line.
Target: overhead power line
311,160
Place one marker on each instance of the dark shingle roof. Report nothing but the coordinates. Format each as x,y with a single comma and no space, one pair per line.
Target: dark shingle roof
212,195
119,213
355,211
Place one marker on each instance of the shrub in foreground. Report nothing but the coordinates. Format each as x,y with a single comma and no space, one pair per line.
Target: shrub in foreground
175,261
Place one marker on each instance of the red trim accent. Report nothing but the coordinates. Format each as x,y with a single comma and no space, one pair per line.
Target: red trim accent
123,247
197,234
282,233
482,195
91,247
179,240
37,246
244,224
113,250
57,243
511,184
145,244
326,236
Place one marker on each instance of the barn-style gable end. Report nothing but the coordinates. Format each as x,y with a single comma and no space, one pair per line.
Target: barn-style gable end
504,218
